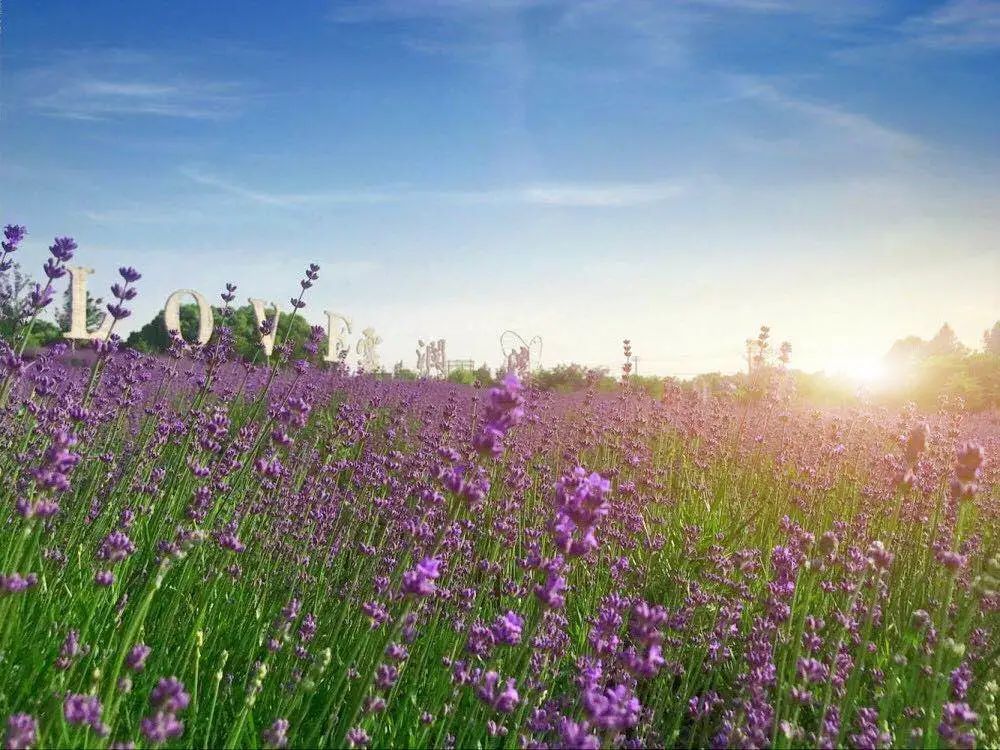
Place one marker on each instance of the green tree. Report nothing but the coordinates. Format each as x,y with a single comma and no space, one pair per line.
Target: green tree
483,374
462,377
14,290
904,352
991,340
984,367
945,342
242,321
399,372
43,332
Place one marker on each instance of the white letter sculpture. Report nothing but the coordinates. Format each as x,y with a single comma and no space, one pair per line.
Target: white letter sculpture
436,355
266,340
431,358
336,342
423,366
172,315
78,308
367,353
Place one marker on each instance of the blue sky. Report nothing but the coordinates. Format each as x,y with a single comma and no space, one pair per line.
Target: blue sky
672,172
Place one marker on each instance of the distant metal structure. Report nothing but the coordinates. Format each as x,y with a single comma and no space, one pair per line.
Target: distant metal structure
461,365
518,353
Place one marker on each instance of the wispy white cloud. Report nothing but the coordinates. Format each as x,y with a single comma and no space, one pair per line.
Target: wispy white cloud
112,83
288,200
818,8
580,195
381,11
953,27
567,195
141,214
858,126
646,33
369,11
967,25
94,99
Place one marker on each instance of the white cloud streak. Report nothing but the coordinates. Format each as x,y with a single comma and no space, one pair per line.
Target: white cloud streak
957,25
859,127
564,195
93,85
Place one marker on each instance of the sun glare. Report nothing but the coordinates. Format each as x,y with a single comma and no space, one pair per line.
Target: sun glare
866,371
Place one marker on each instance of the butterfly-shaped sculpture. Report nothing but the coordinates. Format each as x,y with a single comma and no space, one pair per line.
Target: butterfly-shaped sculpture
520,356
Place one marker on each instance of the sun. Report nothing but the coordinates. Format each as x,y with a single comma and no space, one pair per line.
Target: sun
865,371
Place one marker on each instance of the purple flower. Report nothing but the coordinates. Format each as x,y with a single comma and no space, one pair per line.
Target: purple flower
700,707
420,580
84,710
397,652
229,540
69,650
115,547
501,697
580,505
574,736
275,736
970,459
957,722
13,235
386,676
645,623
104,578
953,561
117,311
307,630
470,486
581,496
124,293
129,274
291,610
480,640
612,708
879,557
161,726
169,695
916,442
54,269
644,665
507,629
136,659
812,671
358,737
62,249
504,409
550,593
40,296
22,729
961,679
15,583
869,735
59,462
967,469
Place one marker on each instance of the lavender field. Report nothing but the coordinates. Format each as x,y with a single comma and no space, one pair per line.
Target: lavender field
204,552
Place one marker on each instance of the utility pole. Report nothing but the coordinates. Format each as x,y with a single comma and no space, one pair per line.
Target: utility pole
636,360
